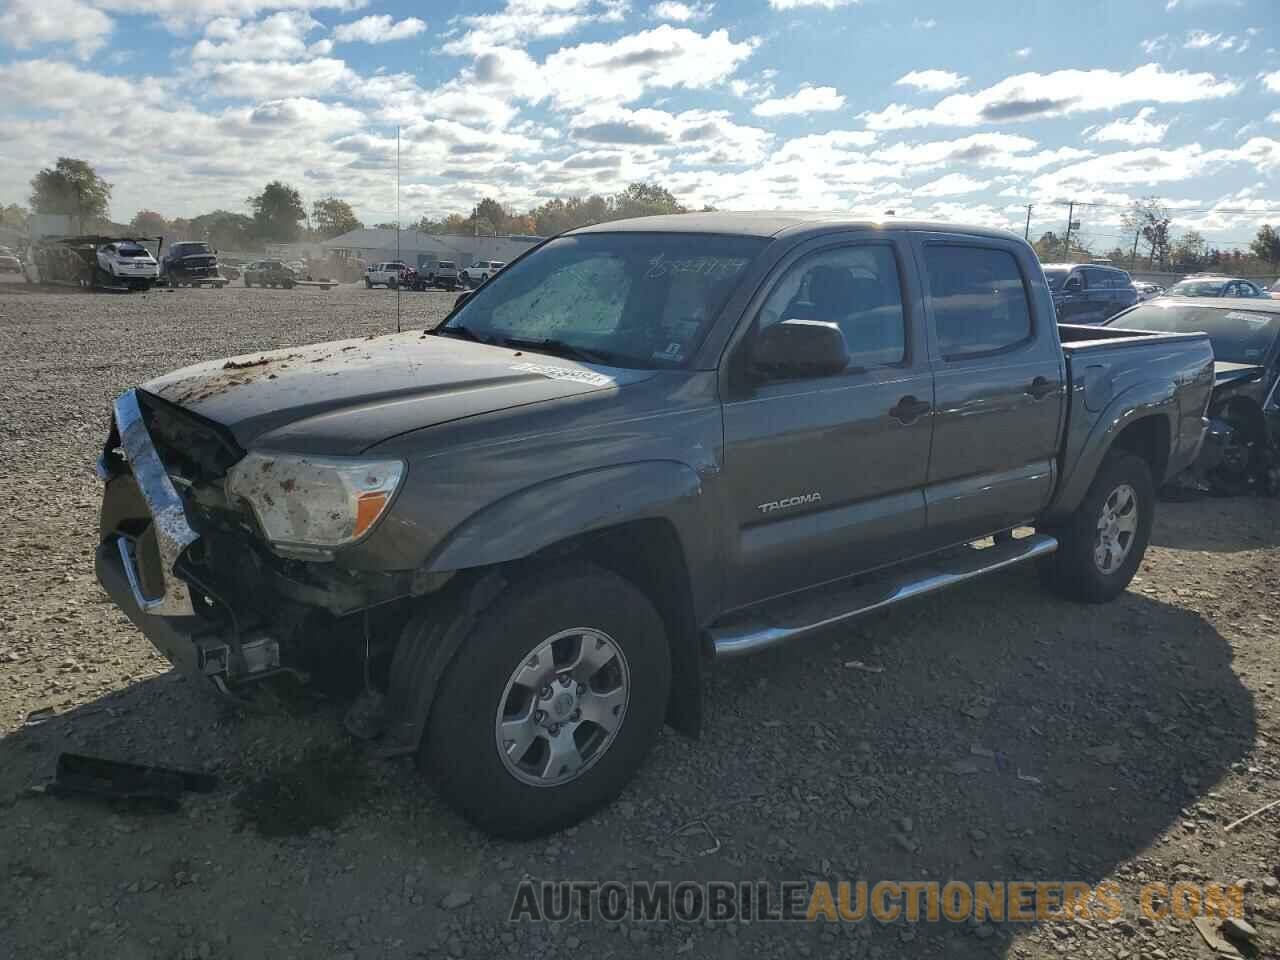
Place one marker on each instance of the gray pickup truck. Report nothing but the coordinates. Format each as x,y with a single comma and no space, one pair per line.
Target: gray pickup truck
640,446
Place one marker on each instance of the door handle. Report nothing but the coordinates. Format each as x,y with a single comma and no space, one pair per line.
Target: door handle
909,409
1040,387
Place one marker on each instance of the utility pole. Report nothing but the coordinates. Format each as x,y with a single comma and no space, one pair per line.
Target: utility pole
1071,213
1026,234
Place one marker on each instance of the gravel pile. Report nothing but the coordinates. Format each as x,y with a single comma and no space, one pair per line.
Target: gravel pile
993,733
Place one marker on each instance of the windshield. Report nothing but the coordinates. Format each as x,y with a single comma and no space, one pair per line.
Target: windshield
1197,288
187,249
1238,336
1056,278
632,299
446,265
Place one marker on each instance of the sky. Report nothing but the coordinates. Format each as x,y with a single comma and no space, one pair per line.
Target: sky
941,109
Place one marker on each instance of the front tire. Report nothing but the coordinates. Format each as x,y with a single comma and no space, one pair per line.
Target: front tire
1102,545
551,703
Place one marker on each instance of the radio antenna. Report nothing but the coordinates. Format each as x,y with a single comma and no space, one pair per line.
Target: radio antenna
401,280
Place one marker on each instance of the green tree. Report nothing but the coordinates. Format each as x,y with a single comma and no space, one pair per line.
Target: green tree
1266,246
644,200
490,210
148,223
13,216
332,217
223,230
1190,249
71,187
277,211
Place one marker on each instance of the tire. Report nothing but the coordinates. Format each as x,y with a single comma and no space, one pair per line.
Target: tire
460,750
247,283
1075,571
368,284
288,284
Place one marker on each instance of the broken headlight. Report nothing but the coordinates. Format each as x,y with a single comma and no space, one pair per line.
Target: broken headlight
307,506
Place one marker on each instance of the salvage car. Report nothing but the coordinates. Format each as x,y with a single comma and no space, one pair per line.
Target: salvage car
10,262
191,263
1215,286
126,263
480,272
643,444
269,273
1242,446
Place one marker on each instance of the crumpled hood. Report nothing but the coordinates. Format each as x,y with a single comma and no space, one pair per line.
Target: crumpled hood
342,397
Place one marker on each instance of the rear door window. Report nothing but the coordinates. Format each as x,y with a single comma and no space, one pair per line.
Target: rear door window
977,300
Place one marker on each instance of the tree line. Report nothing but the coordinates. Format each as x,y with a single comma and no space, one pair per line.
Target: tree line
277,213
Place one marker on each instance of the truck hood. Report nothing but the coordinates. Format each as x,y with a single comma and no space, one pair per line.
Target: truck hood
341,398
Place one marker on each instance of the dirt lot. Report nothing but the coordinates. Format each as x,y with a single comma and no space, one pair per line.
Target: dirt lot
1147,725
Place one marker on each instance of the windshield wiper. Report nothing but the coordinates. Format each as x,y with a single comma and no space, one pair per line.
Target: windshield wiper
558,348
458,330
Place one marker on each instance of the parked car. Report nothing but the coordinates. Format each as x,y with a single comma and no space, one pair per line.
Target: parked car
126,263
444,275
645,441
269,273
10,262
480,272
1214,286
387,274
1242,446
1274,290
1147,291
190,263
1089,293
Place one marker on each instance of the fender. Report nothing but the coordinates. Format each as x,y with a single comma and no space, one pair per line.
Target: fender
539,516
1143,400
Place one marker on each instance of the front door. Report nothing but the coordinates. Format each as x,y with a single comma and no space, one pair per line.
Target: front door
824,475
999,386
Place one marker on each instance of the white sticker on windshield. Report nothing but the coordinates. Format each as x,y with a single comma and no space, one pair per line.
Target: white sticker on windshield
564,373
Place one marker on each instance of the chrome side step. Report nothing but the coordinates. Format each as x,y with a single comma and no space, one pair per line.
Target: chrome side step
825,607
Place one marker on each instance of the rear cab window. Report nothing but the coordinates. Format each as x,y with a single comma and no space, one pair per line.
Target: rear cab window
977,300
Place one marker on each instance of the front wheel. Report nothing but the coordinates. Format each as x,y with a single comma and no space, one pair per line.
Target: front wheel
1102,545
551,703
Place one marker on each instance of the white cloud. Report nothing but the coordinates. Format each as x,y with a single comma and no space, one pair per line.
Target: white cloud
1029,96
26,23
522,21
1138,129
1271,81
920,24
381,28
265,79
623,70
988,150
823,4
805,100
953,184
179,15
694,136
935,81
1223,43
1022,53
1150,46
281,36
680,12
1153,165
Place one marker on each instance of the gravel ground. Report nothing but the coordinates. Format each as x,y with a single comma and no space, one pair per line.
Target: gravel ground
1148,725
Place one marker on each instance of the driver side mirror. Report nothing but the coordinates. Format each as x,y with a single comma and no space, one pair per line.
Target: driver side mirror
799,348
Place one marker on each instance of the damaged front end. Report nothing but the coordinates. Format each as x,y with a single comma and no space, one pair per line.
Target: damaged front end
224,559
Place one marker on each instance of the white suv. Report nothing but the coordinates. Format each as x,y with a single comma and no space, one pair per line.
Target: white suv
384,274
480,272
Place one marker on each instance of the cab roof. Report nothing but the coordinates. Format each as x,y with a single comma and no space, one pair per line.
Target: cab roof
772,223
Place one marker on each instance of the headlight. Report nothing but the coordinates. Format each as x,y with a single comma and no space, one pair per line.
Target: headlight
309,505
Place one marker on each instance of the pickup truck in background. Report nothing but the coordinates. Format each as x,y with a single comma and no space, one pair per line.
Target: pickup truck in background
1089,293
389,274
190,263
641,446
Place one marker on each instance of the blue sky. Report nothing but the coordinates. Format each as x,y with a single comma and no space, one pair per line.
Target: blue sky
952,110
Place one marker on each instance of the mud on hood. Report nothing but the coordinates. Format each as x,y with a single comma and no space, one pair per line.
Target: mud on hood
340,398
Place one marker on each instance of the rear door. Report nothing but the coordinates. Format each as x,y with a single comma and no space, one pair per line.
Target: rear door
1102,294
1073,299
825,475
998,386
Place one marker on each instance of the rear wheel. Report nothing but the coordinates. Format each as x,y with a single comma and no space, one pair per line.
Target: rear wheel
552,702
1102,545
